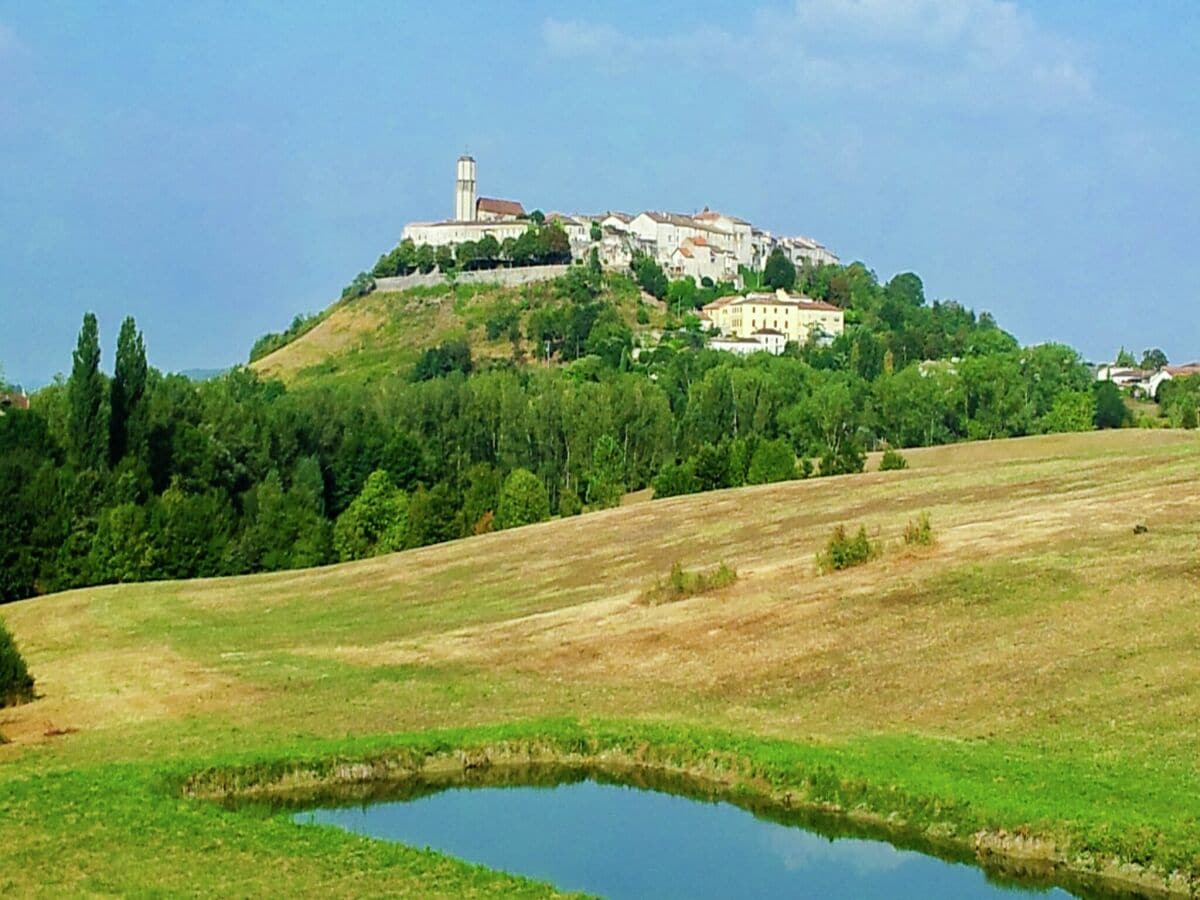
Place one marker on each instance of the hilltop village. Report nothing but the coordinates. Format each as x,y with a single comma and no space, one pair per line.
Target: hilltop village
709,247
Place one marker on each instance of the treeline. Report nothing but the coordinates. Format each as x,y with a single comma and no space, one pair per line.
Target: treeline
142,476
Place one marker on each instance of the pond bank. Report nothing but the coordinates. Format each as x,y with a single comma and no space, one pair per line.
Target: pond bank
771,779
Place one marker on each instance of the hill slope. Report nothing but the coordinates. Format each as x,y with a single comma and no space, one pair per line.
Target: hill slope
1036,669
383,333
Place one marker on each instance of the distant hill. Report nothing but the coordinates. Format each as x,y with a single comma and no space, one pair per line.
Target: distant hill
382,334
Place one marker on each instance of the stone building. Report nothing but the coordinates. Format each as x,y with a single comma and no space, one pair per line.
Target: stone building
794,316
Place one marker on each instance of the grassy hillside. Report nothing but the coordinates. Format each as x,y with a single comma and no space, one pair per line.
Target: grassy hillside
382,334
1033,675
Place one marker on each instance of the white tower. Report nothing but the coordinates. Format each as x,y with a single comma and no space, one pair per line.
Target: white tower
464,190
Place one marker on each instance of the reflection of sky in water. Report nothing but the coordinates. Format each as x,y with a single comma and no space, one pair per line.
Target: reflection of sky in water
799,849
623,842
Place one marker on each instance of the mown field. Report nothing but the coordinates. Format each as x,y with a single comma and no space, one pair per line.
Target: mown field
1036,671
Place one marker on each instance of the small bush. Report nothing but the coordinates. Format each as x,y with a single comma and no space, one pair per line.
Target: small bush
893,461
681,584
919,531
844,551
16,684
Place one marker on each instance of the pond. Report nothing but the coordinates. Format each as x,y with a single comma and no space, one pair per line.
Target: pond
618,841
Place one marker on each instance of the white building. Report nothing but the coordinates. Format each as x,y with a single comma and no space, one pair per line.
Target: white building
698,259
796,317
474,216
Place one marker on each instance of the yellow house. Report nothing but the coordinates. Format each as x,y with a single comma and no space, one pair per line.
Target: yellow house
794,315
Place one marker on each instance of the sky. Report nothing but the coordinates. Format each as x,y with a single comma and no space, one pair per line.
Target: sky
213,169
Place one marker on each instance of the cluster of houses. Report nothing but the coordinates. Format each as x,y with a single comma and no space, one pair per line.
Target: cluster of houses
1144,382
709,247
708,244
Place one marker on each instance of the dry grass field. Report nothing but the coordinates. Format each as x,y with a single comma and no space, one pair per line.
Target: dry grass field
1040,662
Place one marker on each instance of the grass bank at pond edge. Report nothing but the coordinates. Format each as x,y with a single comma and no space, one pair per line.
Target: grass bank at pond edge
895,789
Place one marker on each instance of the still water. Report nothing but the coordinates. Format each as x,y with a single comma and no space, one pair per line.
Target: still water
623,842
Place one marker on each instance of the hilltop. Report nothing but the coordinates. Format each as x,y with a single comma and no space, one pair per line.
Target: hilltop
1033,673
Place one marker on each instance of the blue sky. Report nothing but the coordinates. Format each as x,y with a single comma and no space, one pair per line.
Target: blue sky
215,168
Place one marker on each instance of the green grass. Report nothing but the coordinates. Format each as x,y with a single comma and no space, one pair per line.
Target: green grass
380,336
1033,671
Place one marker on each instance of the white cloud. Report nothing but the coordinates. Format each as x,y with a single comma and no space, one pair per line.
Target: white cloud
975,53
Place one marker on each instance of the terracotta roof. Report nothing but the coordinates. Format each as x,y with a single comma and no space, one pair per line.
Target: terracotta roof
15,401
1188,369
499,207
699,241
686,251
769,331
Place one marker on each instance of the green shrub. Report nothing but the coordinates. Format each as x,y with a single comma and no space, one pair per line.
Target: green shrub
523,500
844,551
919,531
893,460
16,684
681,584
362,285
569,503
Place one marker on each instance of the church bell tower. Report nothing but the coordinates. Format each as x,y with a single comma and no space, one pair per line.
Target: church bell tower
464,190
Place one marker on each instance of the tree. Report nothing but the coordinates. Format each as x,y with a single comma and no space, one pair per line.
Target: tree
675,479
523,500
1125,359
681,295
537,217
1154,359
487,251
433,516
907,288
16,684
450,356
1072,411
597,233
1111,411
553,245
609,337
85,392
444,257
606,484
362,285
650,276
772,461
128,387
375,522
425,259
779,271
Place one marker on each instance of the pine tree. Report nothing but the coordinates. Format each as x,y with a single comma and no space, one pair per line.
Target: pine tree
128,386
85,398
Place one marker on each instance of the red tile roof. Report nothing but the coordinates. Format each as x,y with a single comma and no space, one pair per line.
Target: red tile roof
499,207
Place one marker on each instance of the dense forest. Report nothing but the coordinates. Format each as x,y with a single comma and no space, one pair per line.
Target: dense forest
143,475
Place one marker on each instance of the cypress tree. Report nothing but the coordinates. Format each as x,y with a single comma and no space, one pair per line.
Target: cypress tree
128,386
85,398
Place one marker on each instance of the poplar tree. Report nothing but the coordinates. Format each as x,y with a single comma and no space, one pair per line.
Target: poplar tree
128,387
85,399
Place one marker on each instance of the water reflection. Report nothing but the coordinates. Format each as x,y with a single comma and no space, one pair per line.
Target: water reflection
619,842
